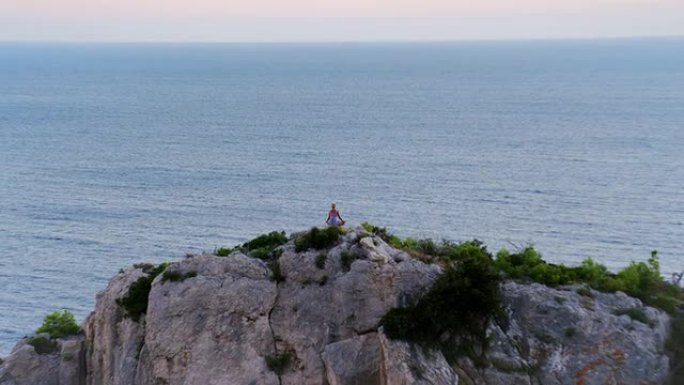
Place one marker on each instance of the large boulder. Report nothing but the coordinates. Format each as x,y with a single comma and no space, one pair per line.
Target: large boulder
40,360
225,320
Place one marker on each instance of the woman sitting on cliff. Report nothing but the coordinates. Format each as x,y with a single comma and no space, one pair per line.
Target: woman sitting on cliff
334,218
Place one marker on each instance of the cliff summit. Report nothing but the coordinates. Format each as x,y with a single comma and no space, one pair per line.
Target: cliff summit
317,308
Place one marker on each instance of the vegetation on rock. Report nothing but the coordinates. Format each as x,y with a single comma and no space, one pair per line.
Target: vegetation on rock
175,276
276,273
457,309
59,325
318,238
136,299
279,362
223,251
42,345
641,280
320,261
263,247
346,260
634,313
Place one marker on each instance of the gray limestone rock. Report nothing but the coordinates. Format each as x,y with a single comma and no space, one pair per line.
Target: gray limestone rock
61,363
223,321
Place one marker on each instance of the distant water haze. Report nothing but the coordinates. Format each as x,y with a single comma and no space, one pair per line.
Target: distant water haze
115,154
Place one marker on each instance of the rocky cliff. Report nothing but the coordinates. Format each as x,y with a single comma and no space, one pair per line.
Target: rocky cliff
225,320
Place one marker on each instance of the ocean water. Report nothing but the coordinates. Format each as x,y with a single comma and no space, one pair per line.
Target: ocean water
120,153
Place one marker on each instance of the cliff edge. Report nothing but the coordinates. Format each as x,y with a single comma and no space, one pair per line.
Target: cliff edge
314,316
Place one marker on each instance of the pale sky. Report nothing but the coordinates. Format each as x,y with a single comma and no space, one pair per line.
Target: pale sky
339,20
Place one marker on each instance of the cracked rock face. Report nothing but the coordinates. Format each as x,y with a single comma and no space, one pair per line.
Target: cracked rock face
226,322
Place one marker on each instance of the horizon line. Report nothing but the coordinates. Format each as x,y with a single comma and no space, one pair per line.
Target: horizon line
380,41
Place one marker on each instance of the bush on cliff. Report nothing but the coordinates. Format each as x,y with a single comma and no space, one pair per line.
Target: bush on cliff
136,299
223,251
641,280
262,247
318,238
43,345
270,240
59,325
456,310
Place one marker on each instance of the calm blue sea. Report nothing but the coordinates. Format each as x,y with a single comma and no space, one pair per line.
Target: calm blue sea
119,153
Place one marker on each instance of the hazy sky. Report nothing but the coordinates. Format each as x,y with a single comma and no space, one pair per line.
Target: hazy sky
338,20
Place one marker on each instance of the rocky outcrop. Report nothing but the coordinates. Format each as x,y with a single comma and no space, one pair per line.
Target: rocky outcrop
567,338
224,321
56,362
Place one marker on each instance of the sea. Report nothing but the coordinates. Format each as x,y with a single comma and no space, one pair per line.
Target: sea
112,154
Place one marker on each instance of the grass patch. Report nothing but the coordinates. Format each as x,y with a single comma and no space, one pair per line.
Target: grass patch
59,325
346,260
42,345
320,261
278,363
453,315
135,301
223,251
318,239
270,240
176,276
263,247
634,313
584,291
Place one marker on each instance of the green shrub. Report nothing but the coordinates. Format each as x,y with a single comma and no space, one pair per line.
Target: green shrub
269,241
262,247
136,299
379,231
276,273
395,242
346,260
176,276
666,302
460,305
42,345
460,251
570,332
318,239
59,325
266,253
591,272
640,279
278,363
634,313
320,261
261,253
520,265
223,251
